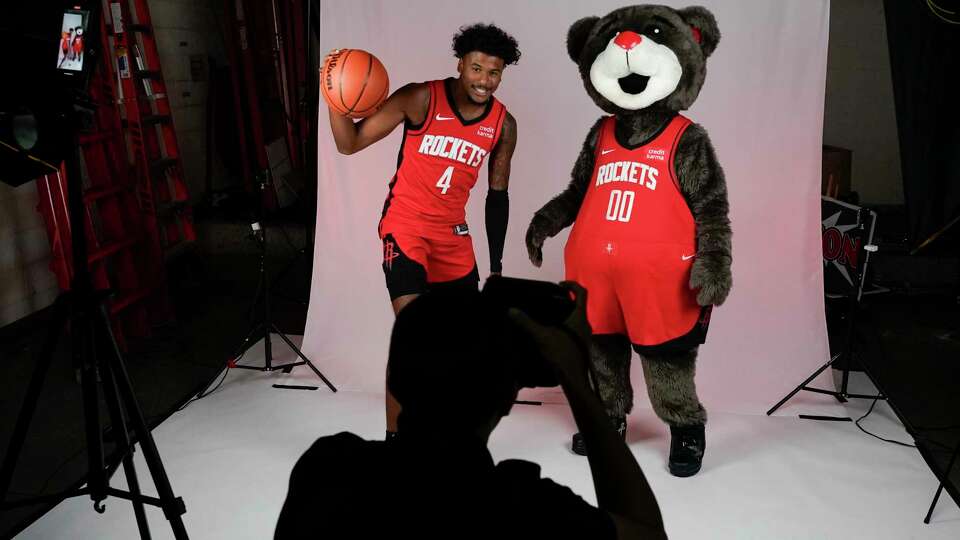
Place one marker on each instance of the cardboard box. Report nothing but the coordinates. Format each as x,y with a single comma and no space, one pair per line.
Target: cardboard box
835,179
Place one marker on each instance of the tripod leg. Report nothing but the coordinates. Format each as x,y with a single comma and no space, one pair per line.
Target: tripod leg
83,336
267,349
122,437
933,504
256,298
841,396
173,506
248,341
133,485
946,474
799,388
301,355
29,407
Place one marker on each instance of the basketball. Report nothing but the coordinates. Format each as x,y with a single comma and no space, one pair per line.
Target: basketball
354,82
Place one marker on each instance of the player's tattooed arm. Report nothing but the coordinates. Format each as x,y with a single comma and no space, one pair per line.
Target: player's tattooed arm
502,154
497,208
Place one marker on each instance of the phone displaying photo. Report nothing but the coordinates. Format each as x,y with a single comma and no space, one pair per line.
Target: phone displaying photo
71,45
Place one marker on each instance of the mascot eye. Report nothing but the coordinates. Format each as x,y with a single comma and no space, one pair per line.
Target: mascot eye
654,32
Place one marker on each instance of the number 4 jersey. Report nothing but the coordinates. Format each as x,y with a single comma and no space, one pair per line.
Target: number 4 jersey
634,240
438,164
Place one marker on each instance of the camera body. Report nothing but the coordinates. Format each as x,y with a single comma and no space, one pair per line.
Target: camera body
53,48
546,303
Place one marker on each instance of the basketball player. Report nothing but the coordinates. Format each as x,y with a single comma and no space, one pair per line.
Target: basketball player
64,48
450,127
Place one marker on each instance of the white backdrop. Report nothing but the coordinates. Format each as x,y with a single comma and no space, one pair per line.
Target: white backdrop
762,104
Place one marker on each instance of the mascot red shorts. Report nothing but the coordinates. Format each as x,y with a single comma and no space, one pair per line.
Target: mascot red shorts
641,293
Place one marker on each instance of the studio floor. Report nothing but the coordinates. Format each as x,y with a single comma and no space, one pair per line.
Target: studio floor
229,456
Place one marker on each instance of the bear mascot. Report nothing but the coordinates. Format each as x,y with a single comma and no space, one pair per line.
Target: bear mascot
651,238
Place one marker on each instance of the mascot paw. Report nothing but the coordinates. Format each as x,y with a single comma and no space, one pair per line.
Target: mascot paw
711,277
536,234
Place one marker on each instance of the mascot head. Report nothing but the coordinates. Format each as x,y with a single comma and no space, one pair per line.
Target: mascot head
644,57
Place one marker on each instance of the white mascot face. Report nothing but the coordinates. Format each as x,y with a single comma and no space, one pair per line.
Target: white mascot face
634,71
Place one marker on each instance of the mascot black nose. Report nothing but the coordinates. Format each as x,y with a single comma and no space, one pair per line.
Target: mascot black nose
627,40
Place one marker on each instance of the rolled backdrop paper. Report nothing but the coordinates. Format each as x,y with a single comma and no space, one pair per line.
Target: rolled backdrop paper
762,104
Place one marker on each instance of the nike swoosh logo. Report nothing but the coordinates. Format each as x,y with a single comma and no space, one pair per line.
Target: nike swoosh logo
605,152
438,117
687,257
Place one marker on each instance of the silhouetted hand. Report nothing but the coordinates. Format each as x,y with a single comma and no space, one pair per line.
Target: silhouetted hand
566,347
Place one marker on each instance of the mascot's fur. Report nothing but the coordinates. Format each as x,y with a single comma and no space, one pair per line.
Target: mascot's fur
677,44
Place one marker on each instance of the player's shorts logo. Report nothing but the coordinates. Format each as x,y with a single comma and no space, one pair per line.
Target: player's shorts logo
389,254
705,317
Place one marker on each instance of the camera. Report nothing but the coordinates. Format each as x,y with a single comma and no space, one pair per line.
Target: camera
53,48
546,303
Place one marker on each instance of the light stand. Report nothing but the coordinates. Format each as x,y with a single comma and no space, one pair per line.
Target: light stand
102,369
266,326
846,354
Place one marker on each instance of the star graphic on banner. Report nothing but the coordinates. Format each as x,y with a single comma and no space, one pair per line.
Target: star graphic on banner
831,222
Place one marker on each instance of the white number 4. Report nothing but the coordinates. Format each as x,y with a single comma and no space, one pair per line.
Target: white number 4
444,182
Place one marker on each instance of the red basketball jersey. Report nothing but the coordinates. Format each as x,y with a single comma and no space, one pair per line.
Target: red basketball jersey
636,235
633,194
439,163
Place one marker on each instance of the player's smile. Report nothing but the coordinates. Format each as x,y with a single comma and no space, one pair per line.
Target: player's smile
480,75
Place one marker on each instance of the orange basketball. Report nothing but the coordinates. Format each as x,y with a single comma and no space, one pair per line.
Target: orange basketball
353,82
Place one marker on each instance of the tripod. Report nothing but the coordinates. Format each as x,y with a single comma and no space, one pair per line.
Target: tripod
266,324
846,355
96,353
943,480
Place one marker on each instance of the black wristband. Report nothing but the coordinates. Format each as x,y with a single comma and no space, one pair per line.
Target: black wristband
497,214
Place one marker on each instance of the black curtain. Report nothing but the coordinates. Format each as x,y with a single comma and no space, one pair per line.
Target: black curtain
924,41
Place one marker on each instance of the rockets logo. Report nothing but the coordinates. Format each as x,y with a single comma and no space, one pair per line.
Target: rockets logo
389,254
705,317
839,248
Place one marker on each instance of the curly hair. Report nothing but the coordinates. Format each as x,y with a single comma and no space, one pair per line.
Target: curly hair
488,39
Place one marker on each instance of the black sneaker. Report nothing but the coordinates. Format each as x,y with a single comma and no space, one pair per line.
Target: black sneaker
391,436
579,446
687,444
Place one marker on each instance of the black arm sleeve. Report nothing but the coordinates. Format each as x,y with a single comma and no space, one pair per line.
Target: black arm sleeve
497,214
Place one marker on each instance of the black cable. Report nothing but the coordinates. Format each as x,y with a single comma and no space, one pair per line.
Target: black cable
203,394
870,410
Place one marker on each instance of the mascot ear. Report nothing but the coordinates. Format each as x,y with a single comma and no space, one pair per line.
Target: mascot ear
577,36
704,27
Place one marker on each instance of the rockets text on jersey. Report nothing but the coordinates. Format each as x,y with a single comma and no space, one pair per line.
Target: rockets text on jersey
438,165
634,192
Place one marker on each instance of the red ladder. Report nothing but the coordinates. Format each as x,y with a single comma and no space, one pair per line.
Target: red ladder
149,124
120,253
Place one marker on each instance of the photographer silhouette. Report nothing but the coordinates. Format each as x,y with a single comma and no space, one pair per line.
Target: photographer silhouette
438,479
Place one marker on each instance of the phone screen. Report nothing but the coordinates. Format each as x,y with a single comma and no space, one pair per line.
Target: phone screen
71,46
